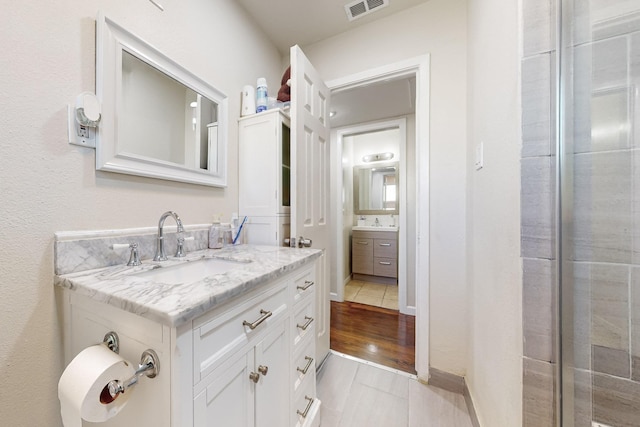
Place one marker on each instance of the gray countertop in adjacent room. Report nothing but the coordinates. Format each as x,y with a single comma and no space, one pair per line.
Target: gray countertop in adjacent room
175,304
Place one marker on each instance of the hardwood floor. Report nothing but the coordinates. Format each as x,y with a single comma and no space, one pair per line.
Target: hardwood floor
375,334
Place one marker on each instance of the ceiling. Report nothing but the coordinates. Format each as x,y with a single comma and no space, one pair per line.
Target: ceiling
303,22
374,102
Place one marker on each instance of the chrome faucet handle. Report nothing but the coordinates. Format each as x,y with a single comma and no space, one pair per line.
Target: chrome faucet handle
134,257
180,252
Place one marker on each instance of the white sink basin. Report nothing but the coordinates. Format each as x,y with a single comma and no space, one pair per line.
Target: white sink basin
374,228
191,271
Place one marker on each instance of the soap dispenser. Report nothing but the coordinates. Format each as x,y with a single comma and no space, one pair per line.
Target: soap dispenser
215,242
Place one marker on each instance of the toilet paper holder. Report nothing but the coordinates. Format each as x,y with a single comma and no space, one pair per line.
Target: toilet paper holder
149,366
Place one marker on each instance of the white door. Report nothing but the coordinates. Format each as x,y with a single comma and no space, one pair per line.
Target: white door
310,178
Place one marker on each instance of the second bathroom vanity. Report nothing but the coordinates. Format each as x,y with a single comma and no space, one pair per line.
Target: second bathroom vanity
374,254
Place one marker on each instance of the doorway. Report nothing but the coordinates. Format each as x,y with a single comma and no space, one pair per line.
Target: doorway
416,217
375,177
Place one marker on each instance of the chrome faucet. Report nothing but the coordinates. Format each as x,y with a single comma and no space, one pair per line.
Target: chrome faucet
160,255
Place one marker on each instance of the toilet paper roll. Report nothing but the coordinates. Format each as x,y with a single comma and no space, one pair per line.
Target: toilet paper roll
84,379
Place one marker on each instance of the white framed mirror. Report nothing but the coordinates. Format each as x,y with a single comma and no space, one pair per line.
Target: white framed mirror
159,120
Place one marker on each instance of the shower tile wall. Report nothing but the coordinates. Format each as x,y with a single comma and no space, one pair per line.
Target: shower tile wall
605,238
537,210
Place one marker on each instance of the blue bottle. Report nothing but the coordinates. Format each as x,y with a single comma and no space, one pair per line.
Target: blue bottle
261,95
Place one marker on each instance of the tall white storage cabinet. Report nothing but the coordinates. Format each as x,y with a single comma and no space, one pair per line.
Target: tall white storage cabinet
264,176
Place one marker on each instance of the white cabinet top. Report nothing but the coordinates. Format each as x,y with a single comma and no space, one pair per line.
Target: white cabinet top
374,228
133,290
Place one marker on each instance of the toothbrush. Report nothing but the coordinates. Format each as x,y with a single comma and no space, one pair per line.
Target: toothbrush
235,239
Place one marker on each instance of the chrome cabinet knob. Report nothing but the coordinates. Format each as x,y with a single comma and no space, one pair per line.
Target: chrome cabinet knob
254,376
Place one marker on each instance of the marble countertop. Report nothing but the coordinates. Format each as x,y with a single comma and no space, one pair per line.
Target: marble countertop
175,304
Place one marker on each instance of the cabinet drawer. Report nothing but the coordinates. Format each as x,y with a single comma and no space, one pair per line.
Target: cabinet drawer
218,338
304,363
306,405
387,267
303,285
383,248
303,321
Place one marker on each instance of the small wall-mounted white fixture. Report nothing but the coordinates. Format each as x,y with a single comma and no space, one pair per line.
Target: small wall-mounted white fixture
83,120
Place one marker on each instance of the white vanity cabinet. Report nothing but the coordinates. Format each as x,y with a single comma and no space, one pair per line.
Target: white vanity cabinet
264,168
245,363
241,374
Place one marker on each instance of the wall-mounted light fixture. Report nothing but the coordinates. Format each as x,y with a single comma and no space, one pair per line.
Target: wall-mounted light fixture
377,157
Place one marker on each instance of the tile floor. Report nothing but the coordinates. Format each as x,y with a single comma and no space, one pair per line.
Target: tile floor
360,394
372,294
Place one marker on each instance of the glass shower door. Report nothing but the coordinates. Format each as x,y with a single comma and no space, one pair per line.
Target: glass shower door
599,213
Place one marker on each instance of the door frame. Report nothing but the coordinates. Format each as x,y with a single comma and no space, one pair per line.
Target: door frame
418,67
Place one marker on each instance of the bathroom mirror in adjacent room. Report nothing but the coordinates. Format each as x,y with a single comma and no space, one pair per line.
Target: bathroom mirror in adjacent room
158,119
375,189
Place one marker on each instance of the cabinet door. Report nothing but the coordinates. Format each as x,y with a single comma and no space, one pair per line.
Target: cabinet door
228,400
362,255
272,389
258,164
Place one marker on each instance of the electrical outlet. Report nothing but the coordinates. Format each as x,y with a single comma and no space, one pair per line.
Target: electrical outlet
83,131
78,134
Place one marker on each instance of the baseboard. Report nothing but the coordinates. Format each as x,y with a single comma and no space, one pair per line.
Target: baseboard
456,384
470,407
446,381
375,279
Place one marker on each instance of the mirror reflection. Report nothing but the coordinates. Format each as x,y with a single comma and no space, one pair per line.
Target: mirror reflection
376,189
162,118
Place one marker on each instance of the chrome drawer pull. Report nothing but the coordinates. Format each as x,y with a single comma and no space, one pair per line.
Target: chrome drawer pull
307,285
306,325
306,410
306,368
362,243
385,244
265,316
384,262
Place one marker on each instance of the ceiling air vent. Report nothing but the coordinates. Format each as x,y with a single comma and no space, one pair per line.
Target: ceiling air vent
361,8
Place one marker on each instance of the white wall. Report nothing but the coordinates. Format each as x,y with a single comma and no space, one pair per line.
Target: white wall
494,374
437,27
47,185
